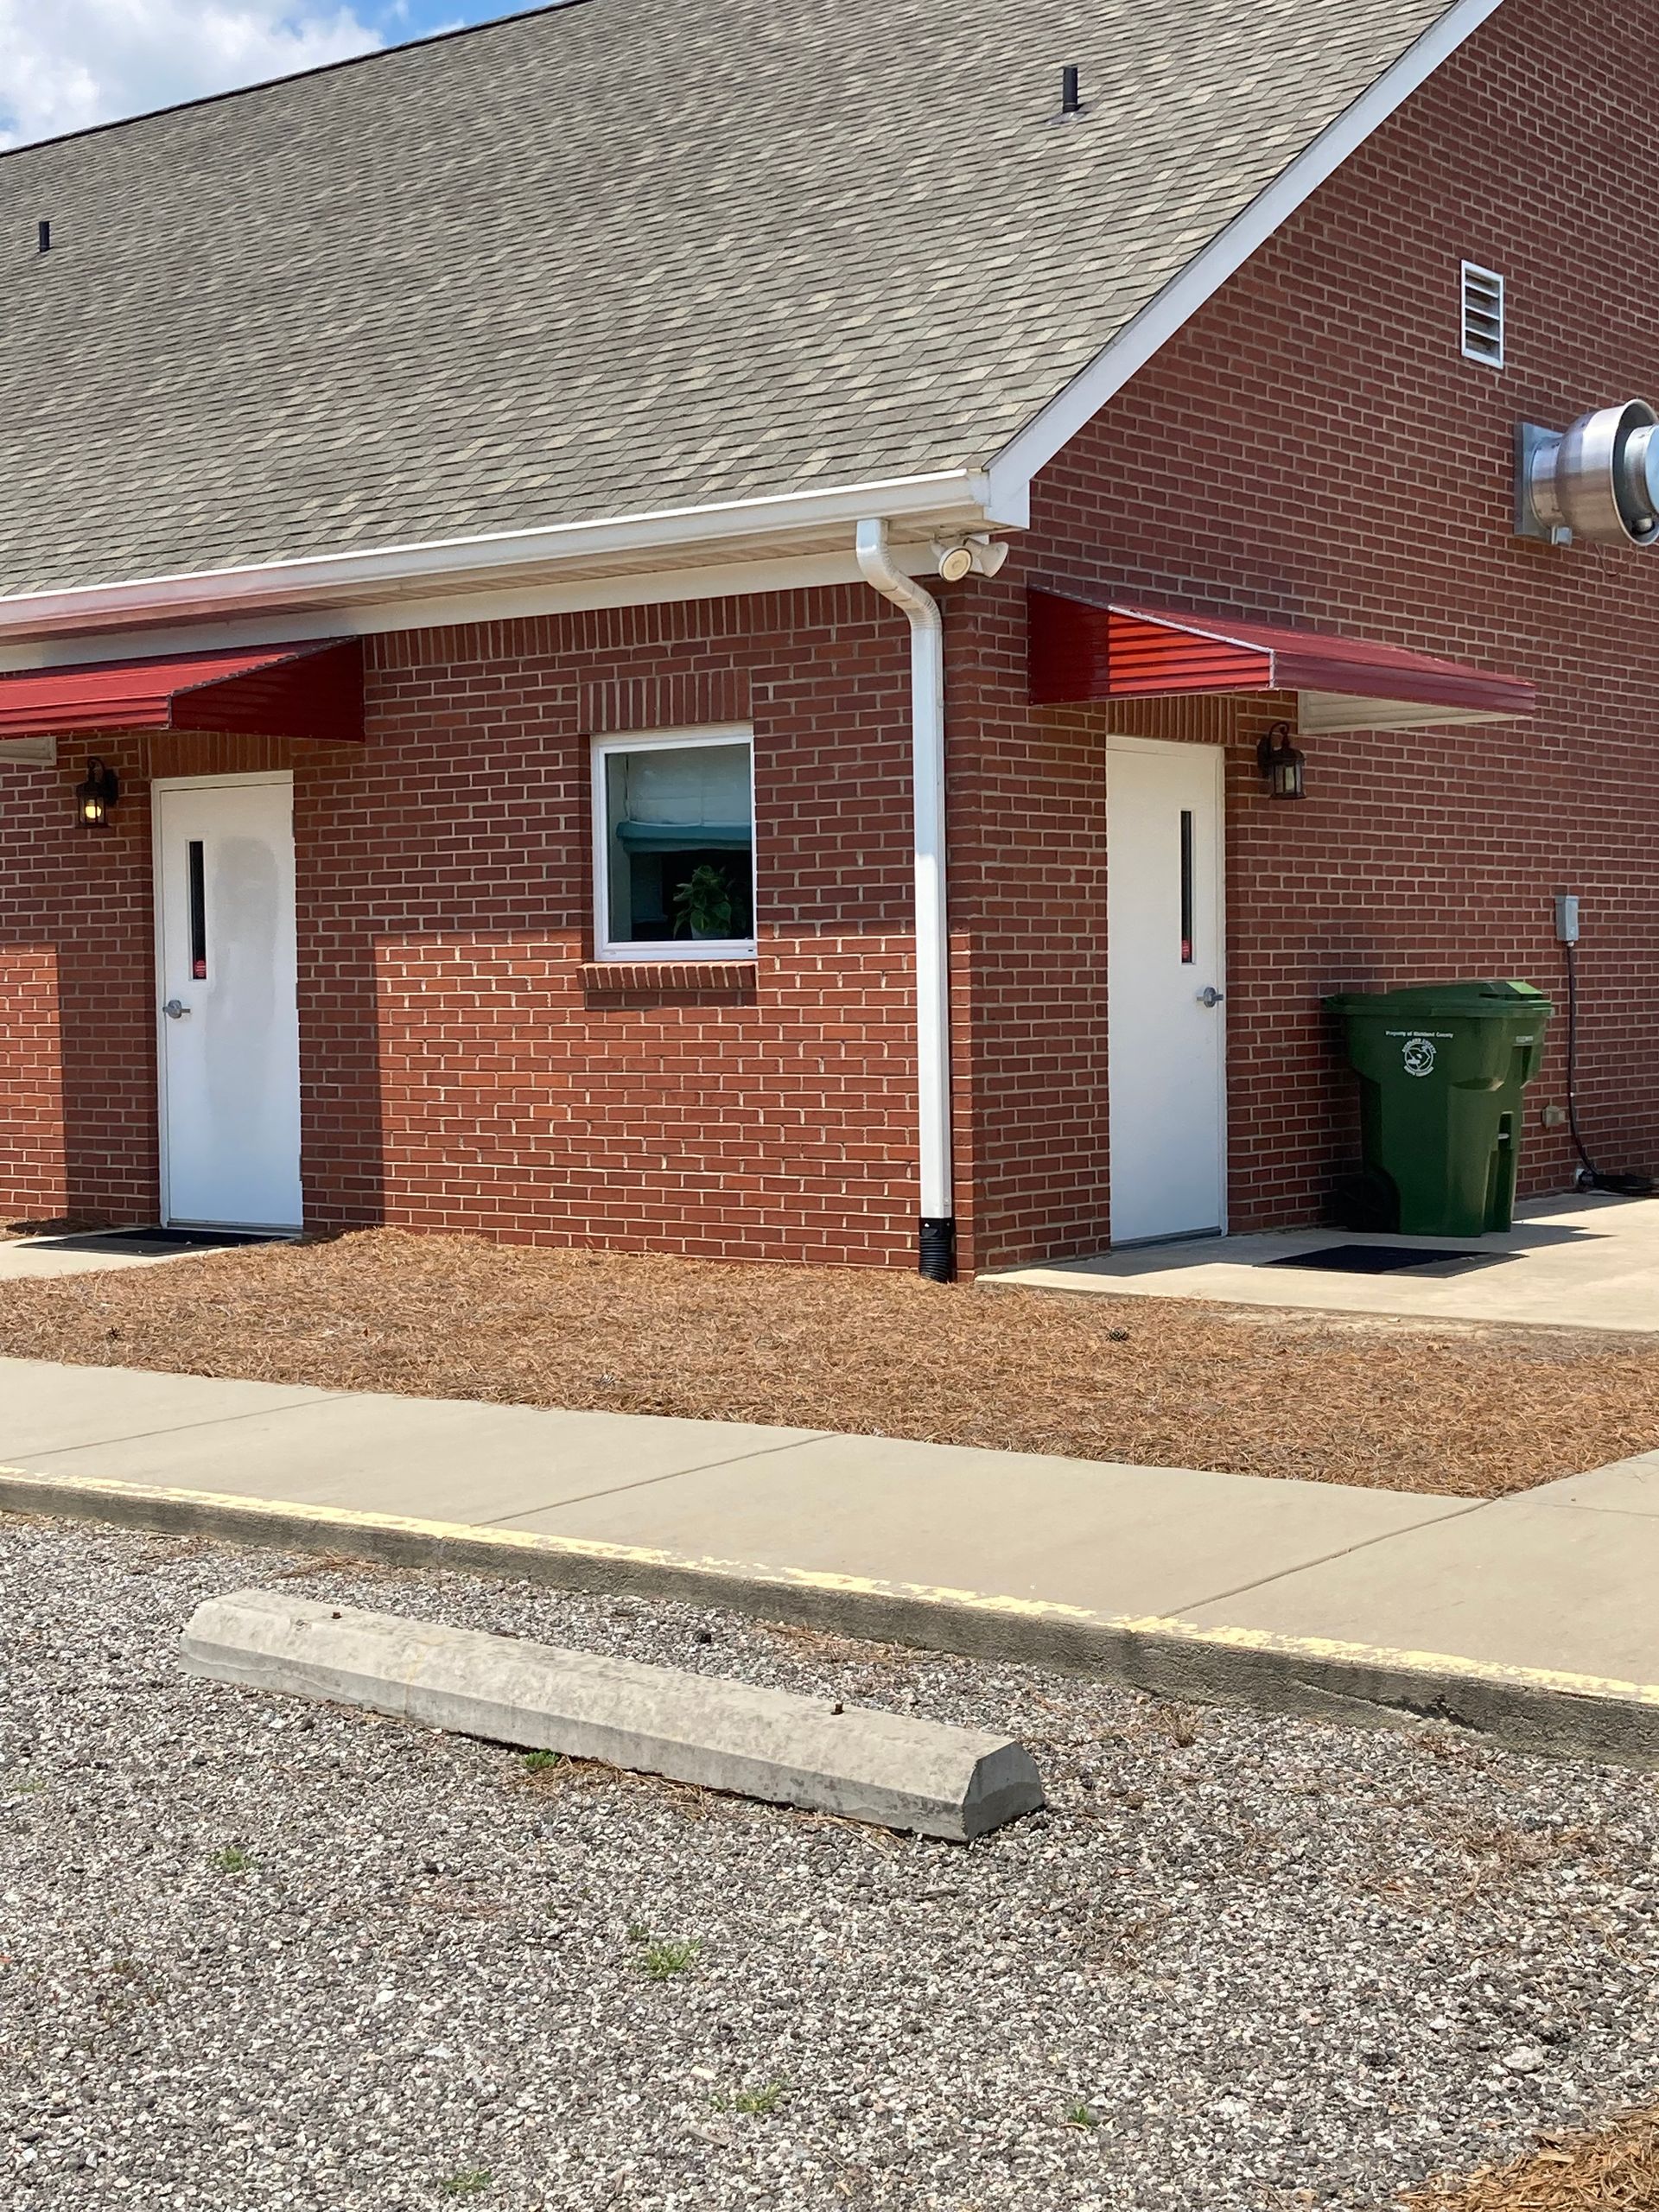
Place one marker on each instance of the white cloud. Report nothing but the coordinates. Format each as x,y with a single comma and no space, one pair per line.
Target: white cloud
67,63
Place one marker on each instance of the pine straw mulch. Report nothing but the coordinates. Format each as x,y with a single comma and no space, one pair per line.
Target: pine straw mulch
1614,2168
1463,1411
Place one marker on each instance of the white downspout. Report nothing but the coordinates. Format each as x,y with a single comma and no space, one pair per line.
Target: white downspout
936,1248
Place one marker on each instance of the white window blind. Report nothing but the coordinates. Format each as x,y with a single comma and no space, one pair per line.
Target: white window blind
690,788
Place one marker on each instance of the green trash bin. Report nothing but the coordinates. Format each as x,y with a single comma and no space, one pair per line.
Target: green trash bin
1441,1069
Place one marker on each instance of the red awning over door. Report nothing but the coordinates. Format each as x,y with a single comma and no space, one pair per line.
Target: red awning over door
311,690
1116,649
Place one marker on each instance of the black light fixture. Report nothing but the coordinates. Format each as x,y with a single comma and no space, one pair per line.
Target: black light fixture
96,798
1281,763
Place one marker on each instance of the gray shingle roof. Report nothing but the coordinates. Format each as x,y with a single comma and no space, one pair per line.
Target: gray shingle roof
617,256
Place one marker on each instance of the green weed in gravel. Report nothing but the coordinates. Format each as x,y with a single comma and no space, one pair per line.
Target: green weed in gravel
660,1959
754,2103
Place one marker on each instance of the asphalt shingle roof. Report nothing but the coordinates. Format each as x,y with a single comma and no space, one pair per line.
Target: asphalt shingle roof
617,256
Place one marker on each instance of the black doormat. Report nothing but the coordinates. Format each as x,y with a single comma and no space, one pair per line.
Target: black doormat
1383,1259
158,1240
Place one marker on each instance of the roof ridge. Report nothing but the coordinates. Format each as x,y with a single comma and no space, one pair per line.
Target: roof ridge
291,77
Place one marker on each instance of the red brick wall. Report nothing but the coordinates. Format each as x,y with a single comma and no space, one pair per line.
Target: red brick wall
466,1068
1027,854
1313,449
77,1006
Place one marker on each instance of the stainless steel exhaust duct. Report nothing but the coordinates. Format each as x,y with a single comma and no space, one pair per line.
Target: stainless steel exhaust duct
1599,480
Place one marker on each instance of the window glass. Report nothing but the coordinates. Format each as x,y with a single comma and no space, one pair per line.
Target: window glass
679,843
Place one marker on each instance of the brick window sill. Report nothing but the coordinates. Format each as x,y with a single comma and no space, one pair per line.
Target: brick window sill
727,979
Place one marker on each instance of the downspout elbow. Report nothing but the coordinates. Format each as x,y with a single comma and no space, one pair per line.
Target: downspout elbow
876,564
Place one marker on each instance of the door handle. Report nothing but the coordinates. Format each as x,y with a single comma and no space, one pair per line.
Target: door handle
1211,996
175,1010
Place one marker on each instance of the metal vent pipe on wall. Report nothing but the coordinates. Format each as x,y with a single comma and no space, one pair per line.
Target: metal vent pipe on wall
1599,480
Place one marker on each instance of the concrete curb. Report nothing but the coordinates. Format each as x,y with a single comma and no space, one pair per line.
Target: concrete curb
1529,1709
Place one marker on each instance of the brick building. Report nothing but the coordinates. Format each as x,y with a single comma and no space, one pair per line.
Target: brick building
496,510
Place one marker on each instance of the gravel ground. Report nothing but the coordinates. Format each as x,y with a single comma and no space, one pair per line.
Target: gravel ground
255,1953
1462,1410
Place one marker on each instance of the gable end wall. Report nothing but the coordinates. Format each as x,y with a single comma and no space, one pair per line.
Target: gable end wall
1313,449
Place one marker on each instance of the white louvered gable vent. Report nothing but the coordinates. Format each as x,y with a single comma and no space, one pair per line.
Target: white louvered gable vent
1483,315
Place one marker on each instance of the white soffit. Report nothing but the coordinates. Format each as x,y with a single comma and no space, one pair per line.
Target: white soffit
1322,714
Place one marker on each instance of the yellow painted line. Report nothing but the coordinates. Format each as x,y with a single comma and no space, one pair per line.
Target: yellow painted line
346,1521
1331,1652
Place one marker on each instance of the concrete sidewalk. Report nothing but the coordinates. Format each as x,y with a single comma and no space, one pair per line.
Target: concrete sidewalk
1533,1615
38,1259
1587,1262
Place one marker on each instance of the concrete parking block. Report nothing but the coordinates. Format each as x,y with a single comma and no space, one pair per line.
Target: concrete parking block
705,1729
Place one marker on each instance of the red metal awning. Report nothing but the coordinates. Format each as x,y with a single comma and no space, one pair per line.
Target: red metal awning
1114,649
313,690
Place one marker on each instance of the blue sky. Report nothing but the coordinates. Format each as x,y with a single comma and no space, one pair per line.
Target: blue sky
65,64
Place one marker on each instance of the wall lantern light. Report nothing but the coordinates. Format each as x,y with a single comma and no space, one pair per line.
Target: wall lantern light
1280,764
95,800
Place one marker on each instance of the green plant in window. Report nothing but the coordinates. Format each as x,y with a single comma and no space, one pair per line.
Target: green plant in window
703,904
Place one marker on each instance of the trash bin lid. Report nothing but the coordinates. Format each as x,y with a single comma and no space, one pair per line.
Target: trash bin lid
1484,998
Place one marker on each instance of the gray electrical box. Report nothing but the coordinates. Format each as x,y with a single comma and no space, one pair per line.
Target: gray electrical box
1566,917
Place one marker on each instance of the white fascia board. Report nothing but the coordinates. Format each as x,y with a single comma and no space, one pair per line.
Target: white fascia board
1034,447
432,570
369,618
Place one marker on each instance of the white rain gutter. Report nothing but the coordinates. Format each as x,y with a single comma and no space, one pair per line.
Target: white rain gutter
937,1248
946,499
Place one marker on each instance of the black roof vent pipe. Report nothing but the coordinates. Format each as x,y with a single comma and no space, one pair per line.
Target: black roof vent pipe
43,232
1071,89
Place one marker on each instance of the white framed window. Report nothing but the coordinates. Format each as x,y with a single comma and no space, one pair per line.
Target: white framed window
1483,315
674,845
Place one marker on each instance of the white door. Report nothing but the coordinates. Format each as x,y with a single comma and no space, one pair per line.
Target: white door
230,1032
1165,1019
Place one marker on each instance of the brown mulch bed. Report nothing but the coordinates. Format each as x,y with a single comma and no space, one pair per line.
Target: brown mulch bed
1471,1411
1614,2169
